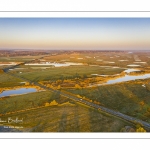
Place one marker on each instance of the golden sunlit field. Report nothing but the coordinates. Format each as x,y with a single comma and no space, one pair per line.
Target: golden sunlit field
117,80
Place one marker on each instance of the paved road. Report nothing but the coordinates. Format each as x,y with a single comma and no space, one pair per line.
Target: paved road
110,111
101,108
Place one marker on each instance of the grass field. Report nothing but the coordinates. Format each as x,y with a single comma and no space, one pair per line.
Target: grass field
130,98
19,58
70,72
27,101
9,81
66,118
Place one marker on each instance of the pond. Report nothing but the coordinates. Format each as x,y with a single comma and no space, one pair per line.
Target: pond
131,70
133,65
128,78
65,64
17,91
123,79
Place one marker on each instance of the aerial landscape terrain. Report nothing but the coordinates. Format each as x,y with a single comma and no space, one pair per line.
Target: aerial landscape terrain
74,75
75,91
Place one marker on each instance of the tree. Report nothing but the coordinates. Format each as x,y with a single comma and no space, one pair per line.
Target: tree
77,86
58,81
79,96
1,71
46,104
53,103
27,83
142,103
59,87
140,129
84,76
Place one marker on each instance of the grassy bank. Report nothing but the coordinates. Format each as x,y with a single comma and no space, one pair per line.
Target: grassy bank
9,81
27,101
67,118
130,98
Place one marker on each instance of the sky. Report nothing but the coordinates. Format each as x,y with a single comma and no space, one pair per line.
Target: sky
75,33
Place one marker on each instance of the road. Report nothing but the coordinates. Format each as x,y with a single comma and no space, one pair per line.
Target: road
146,125
109,111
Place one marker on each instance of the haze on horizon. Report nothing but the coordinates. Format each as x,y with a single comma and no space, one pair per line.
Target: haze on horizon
75,33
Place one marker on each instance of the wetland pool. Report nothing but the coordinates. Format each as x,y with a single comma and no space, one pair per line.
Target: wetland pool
128,78
17,91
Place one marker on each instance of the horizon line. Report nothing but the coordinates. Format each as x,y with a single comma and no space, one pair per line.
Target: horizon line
74,49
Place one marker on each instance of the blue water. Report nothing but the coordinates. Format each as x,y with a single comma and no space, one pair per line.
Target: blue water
17,91
125,78
128,78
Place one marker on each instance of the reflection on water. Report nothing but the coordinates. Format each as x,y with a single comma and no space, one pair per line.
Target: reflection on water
17,91
123,79
133,65
131,70
128,78
66,64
